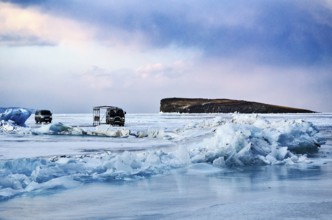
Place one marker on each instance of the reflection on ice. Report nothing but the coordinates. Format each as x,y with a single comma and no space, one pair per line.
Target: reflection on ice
242,140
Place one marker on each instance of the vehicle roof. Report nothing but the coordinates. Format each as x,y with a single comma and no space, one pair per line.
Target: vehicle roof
106,107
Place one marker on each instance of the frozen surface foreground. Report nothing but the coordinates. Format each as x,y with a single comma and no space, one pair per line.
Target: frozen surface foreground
166,166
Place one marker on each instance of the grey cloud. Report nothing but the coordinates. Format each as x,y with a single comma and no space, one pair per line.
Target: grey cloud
278,32
17,40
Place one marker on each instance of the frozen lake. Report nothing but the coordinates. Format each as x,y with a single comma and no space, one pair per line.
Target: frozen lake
168,166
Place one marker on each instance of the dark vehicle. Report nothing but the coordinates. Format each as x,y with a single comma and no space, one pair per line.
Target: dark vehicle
112,115
43,116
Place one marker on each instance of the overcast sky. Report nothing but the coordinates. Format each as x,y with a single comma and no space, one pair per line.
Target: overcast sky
71,55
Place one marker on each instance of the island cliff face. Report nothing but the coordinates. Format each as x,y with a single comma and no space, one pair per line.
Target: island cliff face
196,105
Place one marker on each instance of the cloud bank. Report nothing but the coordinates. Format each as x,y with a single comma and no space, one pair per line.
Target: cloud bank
278,52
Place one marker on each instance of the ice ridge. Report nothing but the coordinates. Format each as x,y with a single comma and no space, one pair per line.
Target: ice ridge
243,140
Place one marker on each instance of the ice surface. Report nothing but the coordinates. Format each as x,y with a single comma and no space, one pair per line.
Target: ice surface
16,115
159,147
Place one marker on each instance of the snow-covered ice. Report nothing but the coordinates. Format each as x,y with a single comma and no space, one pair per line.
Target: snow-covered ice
70,157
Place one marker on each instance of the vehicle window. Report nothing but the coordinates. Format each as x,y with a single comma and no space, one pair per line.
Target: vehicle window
120,112
45,112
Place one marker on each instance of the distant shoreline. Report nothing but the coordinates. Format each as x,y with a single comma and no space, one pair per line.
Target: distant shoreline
201,105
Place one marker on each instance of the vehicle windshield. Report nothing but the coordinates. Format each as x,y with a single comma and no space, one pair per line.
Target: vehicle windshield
45,112
116,112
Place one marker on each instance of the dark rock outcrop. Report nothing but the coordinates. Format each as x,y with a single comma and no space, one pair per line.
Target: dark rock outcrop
196,105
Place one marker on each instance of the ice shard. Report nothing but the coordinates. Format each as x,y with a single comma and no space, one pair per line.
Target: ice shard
17,115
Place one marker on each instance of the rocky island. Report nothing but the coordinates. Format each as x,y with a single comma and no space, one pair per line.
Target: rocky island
199,105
